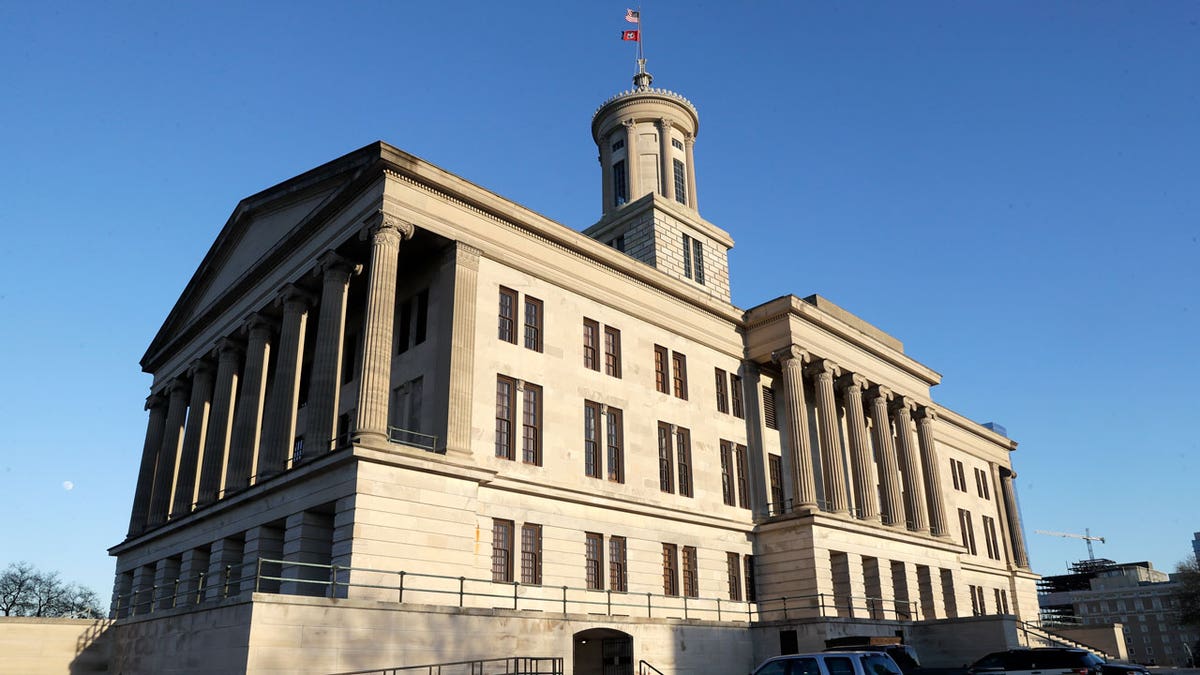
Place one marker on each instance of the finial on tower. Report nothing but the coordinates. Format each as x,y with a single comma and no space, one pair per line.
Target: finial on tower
642,80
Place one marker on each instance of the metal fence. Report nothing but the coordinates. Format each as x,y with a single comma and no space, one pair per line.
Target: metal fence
513,665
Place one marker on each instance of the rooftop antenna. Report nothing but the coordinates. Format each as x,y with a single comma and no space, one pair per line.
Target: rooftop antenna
1086,536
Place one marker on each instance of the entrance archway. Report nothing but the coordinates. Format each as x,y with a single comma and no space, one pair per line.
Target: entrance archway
602,651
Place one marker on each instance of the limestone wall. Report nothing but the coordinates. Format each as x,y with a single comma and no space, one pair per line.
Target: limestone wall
33,646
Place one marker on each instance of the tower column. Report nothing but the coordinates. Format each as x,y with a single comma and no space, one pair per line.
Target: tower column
632,160
792,360
193,438
889,472
285,392
861,462
664,158
220,424
689,143
1016,537
150,451
386,233
914,489
832,461
933,479
327,362
168,453
248,416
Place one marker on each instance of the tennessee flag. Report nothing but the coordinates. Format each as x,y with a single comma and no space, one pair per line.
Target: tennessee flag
633,35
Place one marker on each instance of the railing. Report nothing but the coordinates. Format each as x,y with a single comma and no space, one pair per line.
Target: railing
413,438
1036,636
513,665
645,668
335,581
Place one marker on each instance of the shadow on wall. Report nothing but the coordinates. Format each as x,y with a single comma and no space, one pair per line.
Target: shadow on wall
93,649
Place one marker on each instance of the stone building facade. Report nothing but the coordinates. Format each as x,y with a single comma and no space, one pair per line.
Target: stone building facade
401,395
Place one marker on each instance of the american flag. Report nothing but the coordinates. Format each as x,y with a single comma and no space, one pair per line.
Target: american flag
633,17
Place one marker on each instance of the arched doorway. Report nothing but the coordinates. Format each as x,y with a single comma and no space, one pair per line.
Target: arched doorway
602,651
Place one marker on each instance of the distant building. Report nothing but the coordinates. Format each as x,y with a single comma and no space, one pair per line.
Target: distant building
1135,595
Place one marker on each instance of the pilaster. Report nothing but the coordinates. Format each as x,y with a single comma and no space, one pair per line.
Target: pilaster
263,542
166,582
632,160
666,177
859,608
142,597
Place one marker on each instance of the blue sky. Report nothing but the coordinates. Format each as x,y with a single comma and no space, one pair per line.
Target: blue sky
1008,188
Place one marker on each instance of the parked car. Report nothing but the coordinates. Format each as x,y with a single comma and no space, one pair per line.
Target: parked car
831,663
1040,661
1114,668
904,655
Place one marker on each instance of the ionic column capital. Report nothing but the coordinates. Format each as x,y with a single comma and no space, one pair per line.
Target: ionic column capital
879,391
790,353
155,400
925,414
823,368
179,386
260,324
902,403
384,226
332,264
664,124
853,381
292,297
200,367
629,124
689,139
229,347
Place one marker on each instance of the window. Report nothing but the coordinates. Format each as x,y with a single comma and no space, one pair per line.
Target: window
591,344
733,567
594,550
591,439
679,381
660,369
618,242
734,482
989,538
508,315
698,254
727,493
693,258
680,183
616,445
670,563
531,418
691,575
618,144
666,472
981,484
531,554
769,418
502,546
618,574
683,456
612,351
505,416
533,324
775,469
1001,601
967,530
620,186
735,388
676,144
743,478
722,395
978,601
687,256
751,590
958,475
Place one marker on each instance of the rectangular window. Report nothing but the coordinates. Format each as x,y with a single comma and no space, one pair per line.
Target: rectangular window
967,529
591,439
612,351
620,184
735,388
618,575
508,315
595,561
661,378
618,144
733,567
404,326
505,416
769,418
675,143
743,478
775,469
989,537
591,344
618,242
687,256
698,262
1001,601
680,183
691,574
616,445
531,554
722,395
533,324
975,610
531,417
679,381
666,472
958,475
670,564
981,484
751,589
502,546
683,456
422,328
727,473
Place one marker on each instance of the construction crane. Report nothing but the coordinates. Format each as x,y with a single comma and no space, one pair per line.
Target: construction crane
1086,536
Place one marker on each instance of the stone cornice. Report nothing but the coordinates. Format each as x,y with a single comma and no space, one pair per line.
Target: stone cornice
975,428
652,200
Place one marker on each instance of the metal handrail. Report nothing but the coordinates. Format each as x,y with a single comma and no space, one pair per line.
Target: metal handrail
644,668
516,665
414,438
1056,639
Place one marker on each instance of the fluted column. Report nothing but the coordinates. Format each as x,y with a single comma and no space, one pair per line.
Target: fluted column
285,391
326,384
374,385
689,144
804,492
664,157
866,496
140,513
168,453
885,451
1015,534
193,439
914,488
832,459
462,351
248,416
631,160
220,422
933,478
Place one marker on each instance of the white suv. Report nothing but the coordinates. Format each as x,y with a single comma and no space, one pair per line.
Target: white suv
830,663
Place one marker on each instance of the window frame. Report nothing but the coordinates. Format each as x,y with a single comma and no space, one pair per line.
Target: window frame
733,569
593,437
614,442
666,458
679,383
506,449
738,409
612,352
683,462
594,561
507,329
662,369
591,344
690,572
502,550
670,564
618,566
531,554
531,424
533,329
722,391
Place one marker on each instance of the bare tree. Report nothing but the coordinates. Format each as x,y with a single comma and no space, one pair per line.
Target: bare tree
16,584
1187,575
25,591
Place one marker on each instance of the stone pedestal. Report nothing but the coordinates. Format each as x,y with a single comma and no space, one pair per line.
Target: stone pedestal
166,583
193,576
224,569
308,538
262,542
